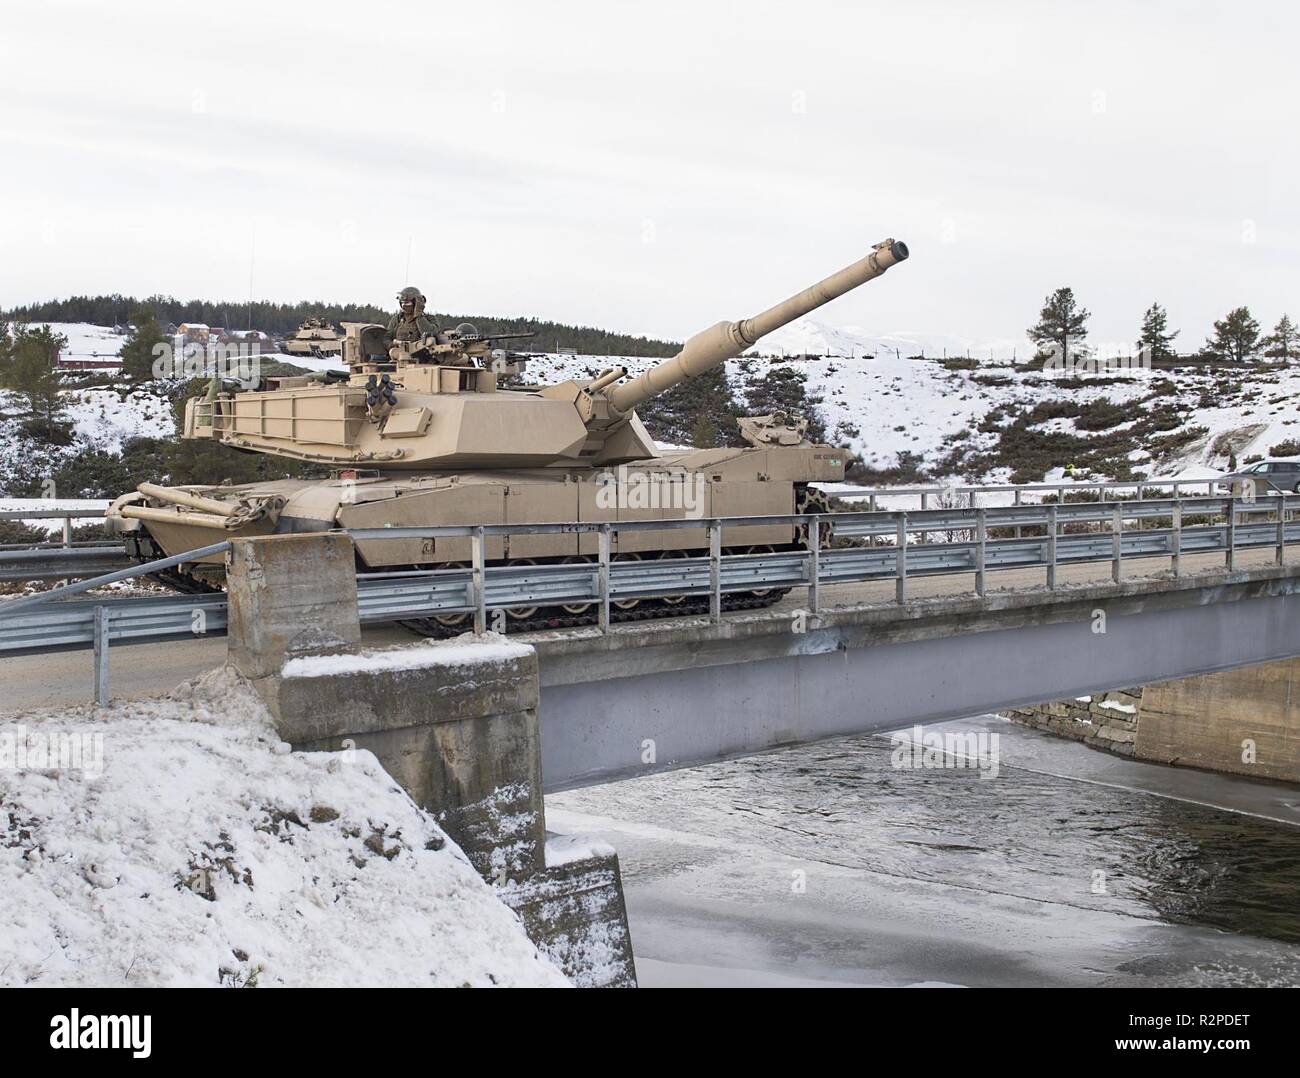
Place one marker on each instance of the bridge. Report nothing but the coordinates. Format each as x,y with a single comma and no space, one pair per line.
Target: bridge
893,617
889,618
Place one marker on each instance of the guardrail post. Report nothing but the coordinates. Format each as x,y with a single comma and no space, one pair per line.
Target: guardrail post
814,563
1231,544
1281,530
1176,540
101,655
479,569
1051,548
1116,543
67,532
900,592
715,571
925,504
1017,502
602,574
981,539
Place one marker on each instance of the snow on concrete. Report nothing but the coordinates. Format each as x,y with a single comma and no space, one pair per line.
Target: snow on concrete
203,852
465,650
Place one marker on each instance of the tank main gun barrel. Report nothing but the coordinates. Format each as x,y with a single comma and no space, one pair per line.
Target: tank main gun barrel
727,340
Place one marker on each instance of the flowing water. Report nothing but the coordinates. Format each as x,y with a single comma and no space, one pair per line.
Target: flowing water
949,875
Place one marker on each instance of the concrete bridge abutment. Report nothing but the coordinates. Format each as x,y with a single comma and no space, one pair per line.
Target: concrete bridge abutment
454,722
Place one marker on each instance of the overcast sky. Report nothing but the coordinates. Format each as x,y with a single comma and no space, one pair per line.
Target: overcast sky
657,167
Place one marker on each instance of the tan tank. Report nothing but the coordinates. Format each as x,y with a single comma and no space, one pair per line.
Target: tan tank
315,337
442,431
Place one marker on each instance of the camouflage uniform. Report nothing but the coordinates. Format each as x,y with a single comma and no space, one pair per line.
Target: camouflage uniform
415,328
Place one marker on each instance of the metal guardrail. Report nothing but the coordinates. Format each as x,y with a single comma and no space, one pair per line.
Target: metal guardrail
61,563
891,545
66,515
1139,487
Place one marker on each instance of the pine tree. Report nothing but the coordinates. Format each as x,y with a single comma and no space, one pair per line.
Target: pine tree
1155,337
704,435
1284,342
30,373
6,349
1236,336
137,353
1061,327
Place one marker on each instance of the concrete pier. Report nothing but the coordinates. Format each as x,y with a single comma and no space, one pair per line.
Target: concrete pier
454,722
1245,721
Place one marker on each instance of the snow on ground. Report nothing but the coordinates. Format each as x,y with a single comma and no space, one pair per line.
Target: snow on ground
104,418
882,403
52,525
875,399
87,342
307,363
191,848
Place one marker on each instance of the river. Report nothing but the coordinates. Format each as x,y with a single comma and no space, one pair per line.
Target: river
827,864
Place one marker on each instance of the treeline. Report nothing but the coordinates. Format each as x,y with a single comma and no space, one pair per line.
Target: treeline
1061,333
281,319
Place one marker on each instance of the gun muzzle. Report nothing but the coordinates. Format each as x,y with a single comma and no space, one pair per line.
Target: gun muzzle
727,340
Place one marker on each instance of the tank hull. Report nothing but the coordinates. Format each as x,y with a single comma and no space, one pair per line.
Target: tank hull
691,485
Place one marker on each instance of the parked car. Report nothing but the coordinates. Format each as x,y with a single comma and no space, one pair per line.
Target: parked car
1279,476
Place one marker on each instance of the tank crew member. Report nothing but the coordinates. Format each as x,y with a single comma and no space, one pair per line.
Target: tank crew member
410,323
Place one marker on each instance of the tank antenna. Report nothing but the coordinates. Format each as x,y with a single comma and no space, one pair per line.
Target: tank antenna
252,255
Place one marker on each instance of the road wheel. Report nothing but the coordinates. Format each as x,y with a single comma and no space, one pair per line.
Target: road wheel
761,593
576,608
674,600
453,621
521,613
626,604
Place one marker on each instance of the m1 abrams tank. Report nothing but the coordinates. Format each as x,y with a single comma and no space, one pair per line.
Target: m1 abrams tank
316,338
424,433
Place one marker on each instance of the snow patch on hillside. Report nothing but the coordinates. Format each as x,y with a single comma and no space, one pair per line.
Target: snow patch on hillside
874,399
201,852
104,419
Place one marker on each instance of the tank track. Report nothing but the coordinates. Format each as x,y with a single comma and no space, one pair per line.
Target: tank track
144,549
647,610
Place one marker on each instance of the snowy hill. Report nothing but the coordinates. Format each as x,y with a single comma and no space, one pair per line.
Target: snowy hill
191,848
807,336
975,420
882,404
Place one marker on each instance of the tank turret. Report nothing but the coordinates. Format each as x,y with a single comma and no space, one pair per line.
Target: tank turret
442,430
440,402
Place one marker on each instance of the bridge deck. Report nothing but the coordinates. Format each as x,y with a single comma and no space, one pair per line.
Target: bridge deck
63,678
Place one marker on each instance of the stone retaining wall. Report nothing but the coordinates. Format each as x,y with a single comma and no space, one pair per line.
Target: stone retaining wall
1104,720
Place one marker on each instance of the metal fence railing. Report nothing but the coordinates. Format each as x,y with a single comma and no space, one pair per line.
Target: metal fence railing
65,515
839,548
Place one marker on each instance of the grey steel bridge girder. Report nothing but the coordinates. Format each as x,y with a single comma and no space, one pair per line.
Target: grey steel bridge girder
694,695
